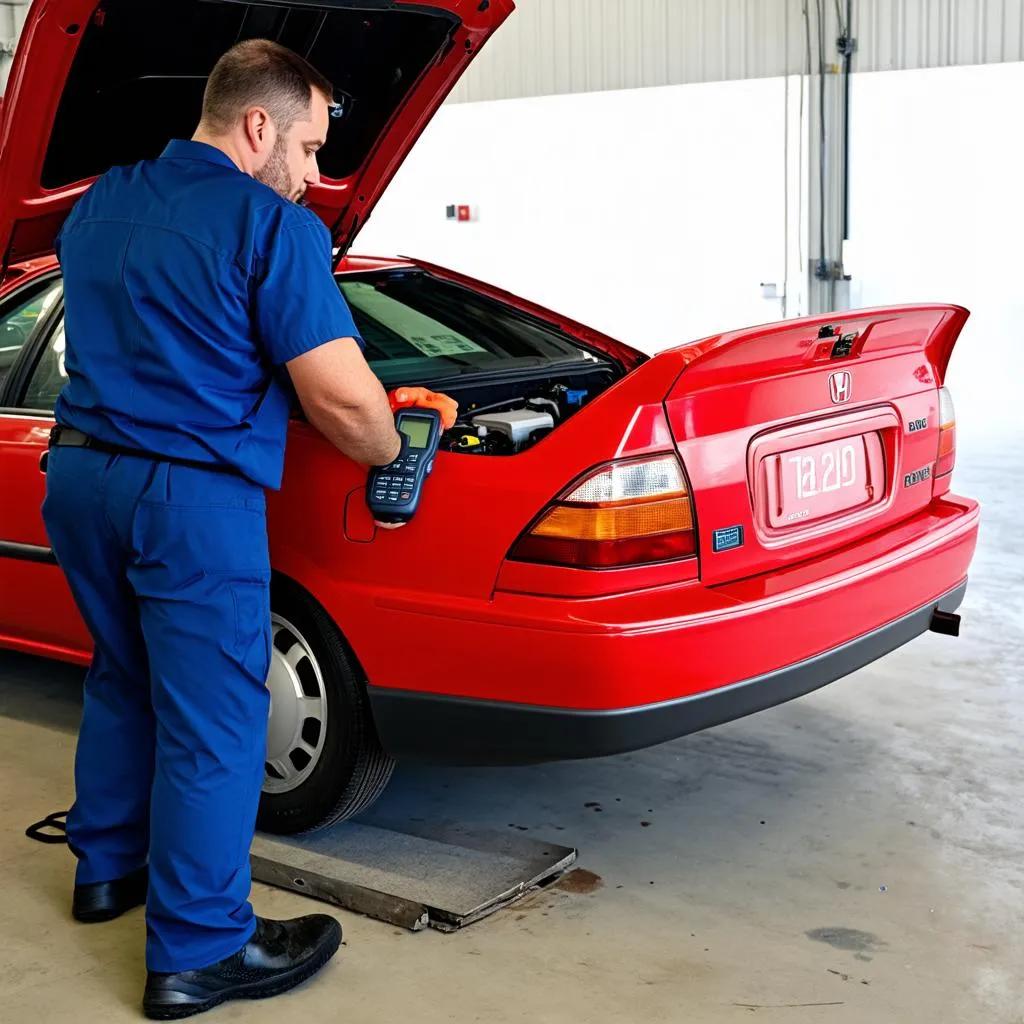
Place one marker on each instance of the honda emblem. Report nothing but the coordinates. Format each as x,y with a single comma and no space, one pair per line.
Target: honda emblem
840,387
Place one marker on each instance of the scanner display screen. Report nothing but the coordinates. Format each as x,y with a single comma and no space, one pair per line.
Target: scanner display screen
416,430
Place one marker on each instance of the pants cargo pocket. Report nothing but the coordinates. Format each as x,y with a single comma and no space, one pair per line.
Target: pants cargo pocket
252,626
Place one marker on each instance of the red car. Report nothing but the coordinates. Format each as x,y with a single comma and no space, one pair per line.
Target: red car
613,550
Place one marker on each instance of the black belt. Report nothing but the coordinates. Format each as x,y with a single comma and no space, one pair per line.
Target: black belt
68,437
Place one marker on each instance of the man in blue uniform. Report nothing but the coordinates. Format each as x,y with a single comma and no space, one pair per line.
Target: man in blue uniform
191,283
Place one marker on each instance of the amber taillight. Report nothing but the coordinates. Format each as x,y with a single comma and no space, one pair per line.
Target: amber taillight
631,512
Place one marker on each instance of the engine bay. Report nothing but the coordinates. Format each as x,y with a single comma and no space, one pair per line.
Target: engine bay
508,417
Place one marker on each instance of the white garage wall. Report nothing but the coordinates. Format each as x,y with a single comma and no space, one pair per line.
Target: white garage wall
653,214
937,214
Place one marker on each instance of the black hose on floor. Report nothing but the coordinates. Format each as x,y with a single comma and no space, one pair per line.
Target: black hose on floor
56,821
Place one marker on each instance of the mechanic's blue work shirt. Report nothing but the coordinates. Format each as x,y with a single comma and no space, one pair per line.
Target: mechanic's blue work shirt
187,285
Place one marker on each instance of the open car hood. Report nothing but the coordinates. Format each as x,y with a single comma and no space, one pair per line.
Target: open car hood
100,84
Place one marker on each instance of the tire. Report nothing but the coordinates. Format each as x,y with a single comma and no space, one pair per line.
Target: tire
324,760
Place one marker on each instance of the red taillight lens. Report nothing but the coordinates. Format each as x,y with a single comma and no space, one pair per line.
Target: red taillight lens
632,512
947,434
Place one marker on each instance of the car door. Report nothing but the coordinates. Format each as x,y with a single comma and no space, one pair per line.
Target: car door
37,612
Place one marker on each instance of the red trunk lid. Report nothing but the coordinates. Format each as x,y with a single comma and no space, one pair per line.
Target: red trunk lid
95,85
800,438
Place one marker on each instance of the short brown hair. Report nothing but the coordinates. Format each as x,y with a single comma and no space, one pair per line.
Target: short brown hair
262,73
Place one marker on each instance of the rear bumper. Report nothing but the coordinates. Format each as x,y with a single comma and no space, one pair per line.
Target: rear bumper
523,678
452,730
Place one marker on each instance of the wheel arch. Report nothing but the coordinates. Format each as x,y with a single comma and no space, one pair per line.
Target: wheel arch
282,580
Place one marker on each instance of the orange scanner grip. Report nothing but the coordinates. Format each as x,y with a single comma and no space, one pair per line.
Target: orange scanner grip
403,398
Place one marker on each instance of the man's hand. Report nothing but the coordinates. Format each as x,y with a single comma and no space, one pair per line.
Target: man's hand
402,398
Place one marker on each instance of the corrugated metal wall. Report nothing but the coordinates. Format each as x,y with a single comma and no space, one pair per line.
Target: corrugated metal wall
12,18
561,46
899,34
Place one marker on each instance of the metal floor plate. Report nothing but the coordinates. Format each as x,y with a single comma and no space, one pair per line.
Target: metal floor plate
415,877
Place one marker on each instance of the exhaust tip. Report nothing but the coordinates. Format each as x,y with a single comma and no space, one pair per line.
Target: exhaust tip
946,623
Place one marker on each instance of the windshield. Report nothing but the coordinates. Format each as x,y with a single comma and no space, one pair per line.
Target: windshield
417,327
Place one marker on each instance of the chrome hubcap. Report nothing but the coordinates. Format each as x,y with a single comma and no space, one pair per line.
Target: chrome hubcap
298,710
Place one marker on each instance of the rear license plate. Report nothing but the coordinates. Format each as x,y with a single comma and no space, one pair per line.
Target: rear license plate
823,480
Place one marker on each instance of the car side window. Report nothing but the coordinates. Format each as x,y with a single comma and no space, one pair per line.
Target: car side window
49,375
18,323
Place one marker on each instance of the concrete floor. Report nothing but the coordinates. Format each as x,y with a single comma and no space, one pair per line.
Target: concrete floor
856,857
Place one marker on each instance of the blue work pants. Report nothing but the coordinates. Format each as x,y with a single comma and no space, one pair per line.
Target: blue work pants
169,566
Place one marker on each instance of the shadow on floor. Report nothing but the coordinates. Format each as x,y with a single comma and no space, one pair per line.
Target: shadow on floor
47,693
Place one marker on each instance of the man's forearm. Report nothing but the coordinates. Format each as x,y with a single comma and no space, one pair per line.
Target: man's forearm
367,436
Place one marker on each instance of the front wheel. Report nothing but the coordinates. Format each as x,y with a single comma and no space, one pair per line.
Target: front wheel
324,760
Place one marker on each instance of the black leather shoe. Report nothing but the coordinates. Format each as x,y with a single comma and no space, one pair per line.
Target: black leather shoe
279,956
103,901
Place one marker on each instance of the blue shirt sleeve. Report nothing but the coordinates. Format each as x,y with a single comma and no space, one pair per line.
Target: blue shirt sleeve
298,304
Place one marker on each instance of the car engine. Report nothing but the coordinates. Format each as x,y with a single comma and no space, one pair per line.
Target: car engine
514,424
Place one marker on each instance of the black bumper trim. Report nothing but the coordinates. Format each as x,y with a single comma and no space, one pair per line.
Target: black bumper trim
437,729
27,552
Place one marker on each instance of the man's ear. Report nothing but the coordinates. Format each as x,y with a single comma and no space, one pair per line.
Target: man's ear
259,129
